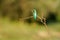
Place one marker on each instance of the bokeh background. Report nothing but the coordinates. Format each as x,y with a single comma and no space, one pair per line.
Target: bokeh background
14,27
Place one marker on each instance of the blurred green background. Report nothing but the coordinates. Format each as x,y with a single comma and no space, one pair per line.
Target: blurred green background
13,28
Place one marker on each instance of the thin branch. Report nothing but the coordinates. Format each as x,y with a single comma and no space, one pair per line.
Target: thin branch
45,24
43,20
26,18
40,18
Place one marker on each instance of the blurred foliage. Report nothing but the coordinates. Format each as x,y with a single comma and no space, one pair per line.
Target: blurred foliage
16,9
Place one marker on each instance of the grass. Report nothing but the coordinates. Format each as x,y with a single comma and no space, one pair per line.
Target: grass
25,31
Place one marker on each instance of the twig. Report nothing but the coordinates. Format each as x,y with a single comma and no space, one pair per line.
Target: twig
43,20
26,18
